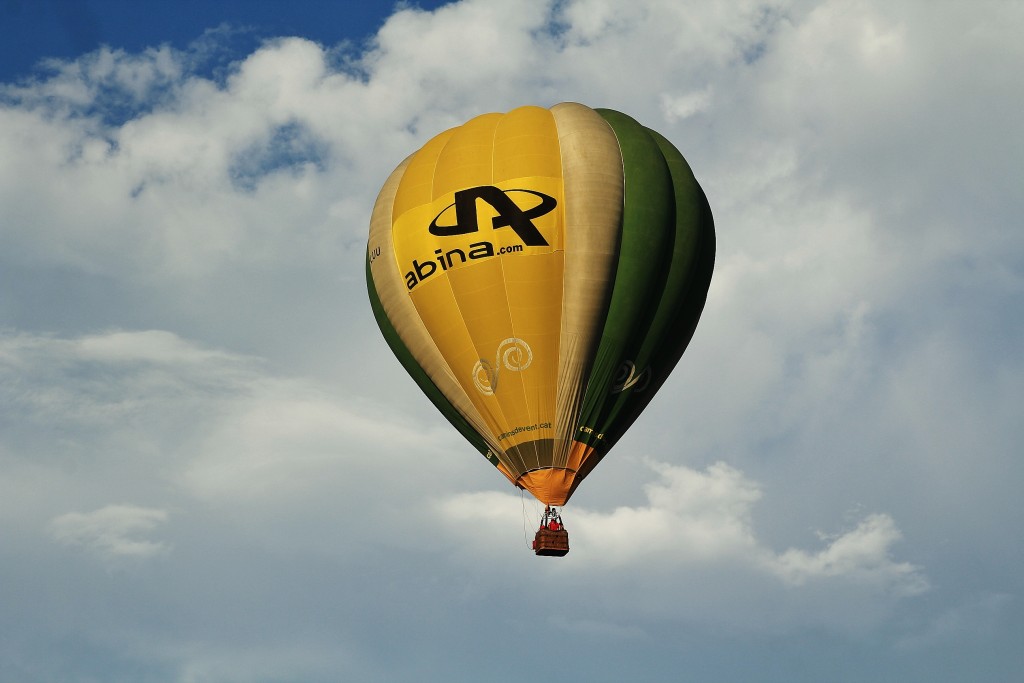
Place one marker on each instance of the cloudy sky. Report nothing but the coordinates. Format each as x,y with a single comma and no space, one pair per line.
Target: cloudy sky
213,471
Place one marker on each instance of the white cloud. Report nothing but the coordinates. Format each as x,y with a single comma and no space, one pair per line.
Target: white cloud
151,414
114,382
185,327
678,107
113,532
691,517
862,555
286,439
697,528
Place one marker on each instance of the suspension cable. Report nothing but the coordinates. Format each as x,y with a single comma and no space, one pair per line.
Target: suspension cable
526,530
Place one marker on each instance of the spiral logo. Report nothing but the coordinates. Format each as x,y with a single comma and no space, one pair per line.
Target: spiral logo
513,354
485,377
627,378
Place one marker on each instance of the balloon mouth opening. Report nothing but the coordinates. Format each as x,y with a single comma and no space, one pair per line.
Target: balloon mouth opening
554,484
549,485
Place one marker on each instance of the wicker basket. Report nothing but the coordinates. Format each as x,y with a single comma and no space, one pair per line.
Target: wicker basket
551,543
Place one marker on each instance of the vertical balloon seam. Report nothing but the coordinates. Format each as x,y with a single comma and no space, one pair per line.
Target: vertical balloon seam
698,229
703,270
559,446
632,367
419,376
684,249
695,301
495,410
583,433
564,388
699,279
421,346
552,487
546,394
692,281
593,217
445,279
404,318
645,236
508,306
556,260
499,262
660,338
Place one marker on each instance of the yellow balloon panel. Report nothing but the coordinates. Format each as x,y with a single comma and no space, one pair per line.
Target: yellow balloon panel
492,253
483,264
526,144
466,159
417,183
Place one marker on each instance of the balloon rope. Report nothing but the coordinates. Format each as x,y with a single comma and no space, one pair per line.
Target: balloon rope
526,530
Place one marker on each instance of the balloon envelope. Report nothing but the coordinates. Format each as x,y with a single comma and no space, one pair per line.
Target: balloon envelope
539,273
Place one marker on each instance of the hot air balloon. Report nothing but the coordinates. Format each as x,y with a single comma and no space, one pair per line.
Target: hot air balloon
538,274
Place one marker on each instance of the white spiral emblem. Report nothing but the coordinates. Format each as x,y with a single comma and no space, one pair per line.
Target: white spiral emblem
513,353
627,377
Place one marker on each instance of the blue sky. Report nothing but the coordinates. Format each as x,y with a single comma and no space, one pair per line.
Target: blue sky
214,471
34,30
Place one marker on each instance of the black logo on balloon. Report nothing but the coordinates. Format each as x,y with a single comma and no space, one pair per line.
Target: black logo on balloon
509,214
